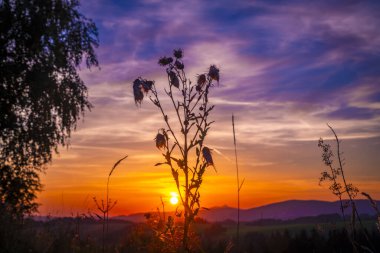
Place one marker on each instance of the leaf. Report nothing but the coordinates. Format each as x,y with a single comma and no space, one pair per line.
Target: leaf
175,176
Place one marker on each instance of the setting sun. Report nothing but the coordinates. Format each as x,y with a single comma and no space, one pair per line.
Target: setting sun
174,198
178,126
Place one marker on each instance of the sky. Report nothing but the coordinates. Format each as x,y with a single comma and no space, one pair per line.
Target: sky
287,68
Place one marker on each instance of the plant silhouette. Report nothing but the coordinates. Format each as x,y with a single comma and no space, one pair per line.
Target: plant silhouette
190,105
106,206
239,185
340,187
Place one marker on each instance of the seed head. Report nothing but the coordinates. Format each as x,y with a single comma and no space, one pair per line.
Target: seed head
173,79
179,65
207,156
147,85
137,93
163,61
178,53
327,153
213,73
201,81
160,140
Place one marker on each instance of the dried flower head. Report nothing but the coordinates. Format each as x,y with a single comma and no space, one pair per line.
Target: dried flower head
207,156
137,92
179,65
201,81
178,53
327,153
173,79
163,61
147,85
161,140
213,73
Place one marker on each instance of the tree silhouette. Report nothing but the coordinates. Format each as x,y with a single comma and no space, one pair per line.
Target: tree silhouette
41,94
18,189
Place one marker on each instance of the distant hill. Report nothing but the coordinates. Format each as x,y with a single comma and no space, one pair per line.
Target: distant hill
286,210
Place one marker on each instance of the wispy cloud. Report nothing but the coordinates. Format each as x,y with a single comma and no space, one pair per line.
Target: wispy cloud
287,69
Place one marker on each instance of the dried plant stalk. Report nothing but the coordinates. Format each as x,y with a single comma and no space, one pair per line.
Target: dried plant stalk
191,108
239,186
340,187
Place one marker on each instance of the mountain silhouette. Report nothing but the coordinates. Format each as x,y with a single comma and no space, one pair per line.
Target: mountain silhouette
285,210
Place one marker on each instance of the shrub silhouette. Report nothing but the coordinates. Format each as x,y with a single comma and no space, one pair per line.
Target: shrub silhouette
190,104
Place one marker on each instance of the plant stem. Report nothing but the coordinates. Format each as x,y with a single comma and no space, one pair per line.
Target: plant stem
348,190
104,219
186,171
238,187
107,199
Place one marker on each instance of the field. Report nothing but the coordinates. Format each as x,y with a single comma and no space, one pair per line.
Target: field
85,235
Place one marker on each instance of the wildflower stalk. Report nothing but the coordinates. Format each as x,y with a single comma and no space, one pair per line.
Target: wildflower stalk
338,190
190,104
351,191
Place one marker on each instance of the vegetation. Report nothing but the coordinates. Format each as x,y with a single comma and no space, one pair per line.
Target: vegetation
81,234
106,206
41,96
41,93
41,99
239,186
191,108
340,187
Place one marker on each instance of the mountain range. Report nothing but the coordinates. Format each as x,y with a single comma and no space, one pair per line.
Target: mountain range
285,210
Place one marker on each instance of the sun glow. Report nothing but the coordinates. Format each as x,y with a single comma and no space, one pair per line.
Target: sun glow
173,198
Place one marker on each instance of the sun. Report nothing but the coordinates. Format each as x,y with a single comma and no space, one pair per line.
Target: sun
174,198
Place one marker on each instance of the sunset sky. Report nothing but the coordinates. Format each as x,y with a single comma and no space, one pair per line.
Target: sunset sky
287,68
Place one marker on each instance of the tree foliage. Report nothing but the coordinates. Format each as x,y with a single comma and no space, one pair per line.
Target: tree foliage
18,189
42,43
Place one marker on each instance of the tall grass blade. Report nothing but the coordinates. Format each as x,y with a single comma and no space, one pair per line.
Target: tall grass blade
239,186
116,164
